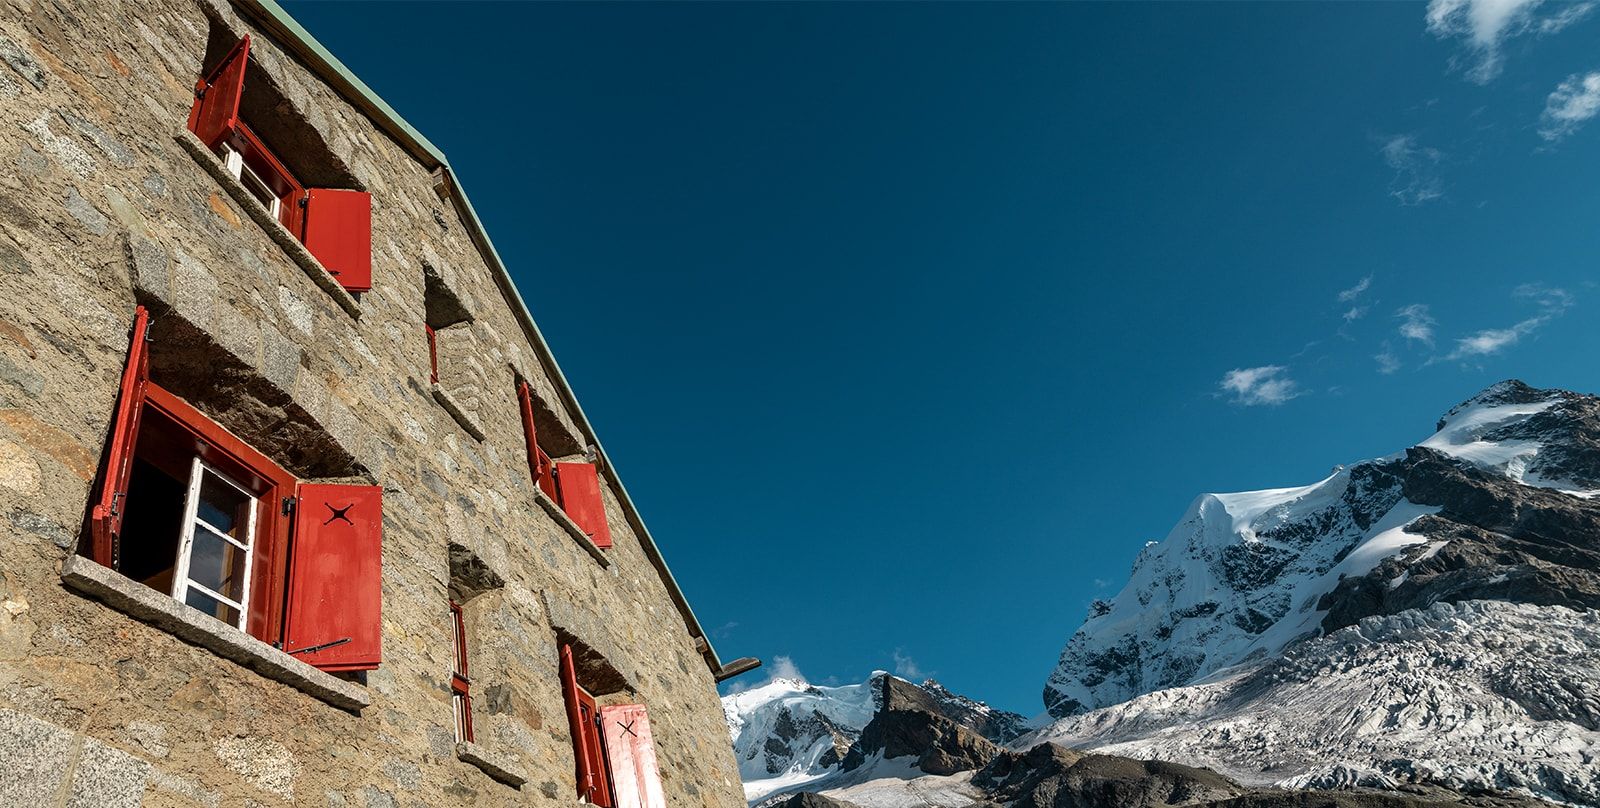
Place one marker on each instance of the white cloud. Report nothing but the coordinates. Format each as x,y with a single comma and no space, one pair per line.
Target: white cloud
1485,25
1388,363
1355,313
906,667
1570,106
1416,323
1416,178
1552,303
1354,292
1266,385
781,667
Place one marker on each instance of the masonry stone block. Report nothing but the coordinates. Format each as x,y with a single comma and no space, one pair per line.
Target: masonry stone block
36,755
14,55
85,212
107,777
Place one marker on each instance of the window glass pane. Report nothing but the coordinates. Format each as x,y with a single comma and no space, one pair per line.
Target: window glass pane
216,564
213,607
223,506
257,187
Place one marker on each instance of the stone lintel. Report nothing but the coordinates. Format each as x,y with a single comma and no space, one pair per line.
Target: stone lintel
194,626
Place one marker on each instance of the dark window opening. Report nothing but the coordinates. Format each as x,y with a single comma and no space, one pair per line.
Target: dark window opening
151,525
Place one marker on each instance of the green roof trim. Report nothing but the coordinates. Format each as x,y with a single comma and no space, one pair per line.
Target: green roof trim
273,19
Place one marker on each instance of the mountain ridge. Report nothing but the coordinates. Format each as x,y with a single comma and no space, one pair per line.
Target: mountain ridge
1420,626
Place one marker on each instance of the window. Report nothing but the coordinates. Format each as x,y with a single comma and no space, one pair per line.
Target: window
460,684
213,561
189,509
335,225
575,486
612,745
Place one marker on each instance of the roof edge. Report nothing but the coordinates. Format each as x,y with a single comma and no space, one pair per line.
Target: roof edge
277,22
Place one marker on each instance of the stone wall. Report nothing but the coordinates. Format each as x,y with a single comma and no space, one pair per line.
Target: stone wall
104,203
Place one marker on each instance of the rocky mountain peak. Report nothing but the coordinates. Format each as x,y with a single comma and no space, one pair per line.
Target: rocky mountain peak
1510,391
1244,575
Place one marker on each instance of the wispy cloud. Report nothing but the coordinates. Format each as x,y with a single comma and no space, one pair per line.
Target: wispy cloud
721,632
1570,106
1416,178
1355,313
781,667
1356,291
1552,303
1388,363
1416,324
1485,25
1268,385
906,667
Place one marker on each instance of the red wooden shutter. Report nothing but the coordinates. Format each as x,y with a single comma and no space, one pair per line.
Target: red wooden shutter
106,517
433,354
580,498
593,784
539,464
632,753
336,577
338,231
216,107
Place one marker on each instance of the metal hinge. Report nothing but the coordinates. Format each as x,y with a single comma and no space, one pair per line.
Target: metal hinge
288,505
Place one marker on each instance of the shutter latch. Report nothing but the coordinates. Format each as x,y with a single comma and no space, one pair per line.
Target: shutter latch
288,505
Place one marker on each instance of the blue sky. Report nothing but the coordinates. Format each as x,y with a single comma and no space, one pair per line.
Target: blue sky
907,324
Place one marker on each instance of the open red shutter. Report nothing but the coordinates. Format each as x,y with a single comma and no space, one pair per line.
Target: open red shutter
632,753
580,498
106,517
216,106
591,773
336,577
539,464
338,231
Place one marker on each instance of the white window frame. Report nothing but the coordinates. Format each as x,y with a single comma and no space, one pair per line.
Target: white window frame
234,162
192,522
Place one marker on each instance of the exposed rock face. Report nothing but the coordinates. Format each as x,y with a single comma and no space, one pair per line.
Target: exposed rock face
999,726
1493,539
788,729
810,800
1049,775
909,722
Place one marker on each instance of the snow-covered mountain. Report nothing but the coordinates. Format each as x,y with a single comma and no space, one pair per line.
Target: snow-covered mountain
1244,575
1422,617
788,733
1425,624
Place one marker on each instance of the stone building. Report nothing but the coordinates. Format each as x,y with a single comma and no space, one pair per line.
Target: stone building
297,508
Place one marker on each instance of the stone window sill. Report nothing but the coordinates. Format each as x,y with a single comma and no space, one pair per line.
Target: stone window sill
493,765
571,527
454,408
194,626
274,228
